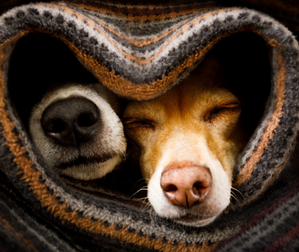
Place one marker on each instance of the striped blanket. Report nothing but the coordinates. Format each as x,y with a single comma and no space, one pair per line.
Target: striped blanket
140,51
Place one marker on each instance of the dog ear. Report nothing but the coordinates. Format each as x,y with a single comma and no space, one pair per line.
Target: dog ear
34,68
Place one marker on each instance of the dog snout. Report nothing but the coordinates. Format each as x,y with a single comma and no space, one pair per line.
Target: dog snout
186,186
72,121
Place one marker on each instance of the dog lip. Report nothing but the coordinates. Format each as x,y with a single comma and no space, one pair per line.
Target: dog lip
81,160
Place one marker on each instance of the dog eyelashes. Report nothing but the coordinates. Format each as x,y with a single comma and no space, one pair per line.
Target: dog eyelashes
219,110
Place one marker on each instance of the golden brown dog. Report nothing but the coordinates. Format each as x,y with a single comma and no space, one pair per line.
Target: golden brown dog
190,140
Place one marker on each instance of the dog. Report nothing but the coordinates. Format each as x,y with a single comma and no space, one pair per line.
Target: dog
191,137
190,141
77,130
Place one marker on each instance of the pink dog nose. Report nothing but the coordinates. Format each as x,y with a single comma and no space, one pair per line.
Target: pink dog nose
186,185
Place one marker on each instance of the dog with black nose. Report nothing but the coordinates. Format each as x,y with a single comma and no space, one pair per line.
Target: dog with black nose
77,130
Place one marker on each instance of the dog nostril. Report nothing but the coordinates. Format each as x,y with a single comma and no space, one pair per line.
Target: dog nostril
170,188
199,186
87,119
54,126
200,190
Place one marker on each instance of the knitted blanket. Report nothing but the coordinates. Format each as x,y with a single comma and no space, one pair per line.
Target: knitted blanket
139,52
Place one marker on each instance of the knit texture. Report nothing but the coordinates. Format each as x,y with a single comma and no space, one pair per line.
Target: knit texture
140,52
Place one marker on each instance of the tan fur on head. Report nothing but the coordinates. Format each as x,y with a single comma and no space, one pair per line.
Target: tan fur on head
197,121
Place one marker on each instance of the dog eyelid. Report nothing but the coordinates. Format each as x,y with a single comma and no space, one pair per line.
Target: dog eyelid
139,122
227,107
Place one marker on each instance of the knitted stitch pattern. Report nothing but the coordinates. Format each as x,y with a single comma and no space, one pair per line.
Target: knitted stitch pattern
140,52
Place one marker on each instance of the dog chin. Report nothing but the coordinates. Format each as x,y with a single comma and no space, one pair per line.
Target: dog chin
89,170
195,220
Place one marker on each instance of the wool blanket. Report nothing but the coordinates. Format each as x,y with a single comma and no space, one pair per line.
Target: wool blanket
139,52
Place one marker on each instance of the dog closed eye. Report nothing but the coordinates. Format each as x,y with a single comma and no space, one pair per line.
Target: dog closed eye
144,123
228,109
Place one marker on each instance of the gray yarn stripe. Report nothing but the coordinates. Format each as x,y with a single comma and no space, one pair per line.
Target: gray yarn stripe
262,229
9,239
38,231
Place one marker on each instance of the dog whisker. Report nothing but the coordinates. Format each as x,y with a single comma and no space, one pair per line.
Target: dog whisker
123,155
146,203
238,192
232,194
235,197
141,185
141,189
232,205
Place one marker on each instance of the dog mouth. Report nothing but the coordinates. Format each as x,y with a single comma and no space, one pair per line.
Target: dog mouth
81,160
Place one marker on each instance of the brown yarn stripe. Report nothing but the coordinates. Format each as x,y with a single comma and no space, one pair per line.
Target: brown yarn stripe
28,243
48,201
151,16
272,124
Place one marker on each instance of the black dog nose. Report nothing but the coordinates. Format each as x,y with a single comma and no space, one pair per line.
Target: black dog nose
72,121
